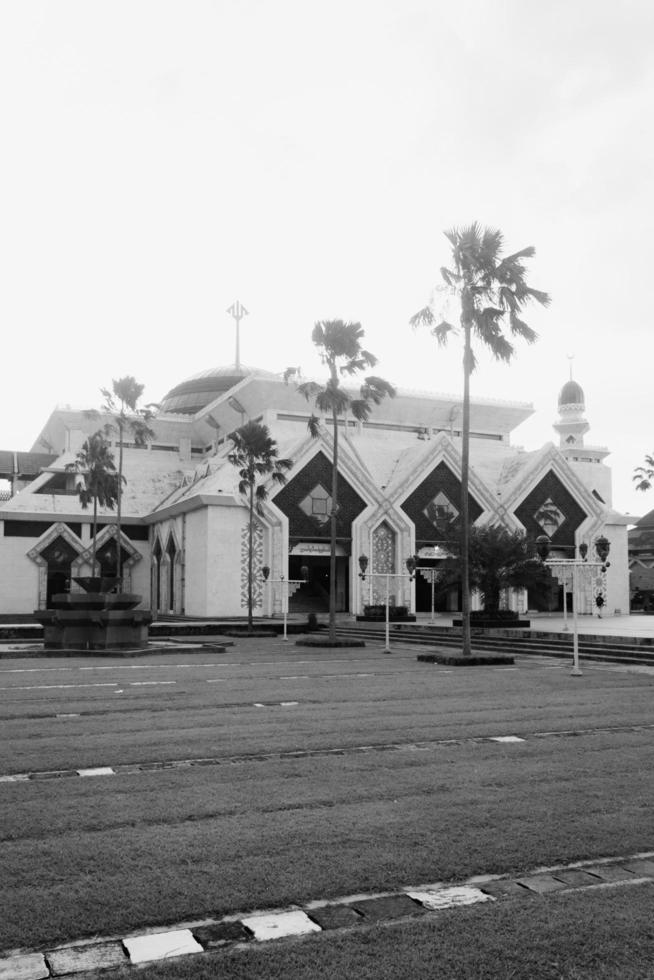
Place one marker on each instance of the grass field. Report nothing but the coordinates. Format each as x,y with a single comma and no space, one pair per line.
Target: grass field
383,802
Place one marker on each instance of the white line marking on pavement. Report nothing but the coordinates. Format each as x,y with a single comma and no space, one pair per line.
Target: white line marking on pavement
69,714
448,898
216,680
55,687
275,925
293,677
149,683
98,771
162,946
288,704
506,738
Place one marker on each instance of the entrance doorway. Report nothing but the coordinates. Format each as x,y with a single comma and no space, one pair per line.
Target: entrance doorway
313,595
59,556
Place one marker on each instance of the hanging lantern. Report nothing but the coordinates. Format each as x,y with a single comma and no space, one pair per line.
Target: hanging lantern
411,564
363,564
583,550
265,571
543,546
602,547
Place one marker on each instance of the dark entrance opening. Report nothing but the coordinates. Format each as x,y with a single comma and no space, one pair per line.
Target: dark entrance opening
423,588
59,555
313,595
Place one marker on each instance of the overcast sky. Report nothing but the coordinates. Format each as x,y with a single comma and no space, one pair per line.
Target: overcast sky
162,158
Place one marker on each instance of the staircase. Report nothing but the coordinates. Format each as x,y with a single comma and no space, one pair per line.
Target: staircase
608,649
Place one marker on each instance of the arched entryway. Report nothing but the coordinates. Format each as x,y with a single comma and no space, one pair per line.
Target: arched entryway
58,556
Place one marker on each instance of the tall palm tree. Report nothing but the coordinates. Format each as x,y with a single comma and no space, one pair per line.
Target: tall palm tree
122,404
490,291
95,461
255,456
339,344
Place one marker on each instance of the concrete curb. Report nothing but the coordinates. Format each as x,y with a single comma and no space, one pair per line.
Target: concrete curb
209,935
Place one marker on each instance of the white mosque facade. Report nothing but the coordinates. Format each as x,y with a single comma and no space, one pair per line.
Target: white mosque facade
184,526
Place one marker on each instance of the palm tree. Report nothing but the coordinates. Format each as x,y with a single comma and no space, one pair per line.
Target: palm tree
256,458
341,352
95,461
121,403
643,475
490,290
498,559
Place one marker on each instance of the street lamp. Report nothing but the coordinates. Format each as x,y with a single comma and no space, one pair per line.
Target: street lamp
560,566
411,567
289,588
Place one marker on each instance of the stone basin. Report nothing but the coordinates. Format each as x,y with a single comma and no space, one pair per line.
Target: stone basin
95,600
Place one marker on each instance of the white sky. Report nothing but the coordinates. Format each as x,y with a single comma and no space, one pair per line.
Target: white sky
162,158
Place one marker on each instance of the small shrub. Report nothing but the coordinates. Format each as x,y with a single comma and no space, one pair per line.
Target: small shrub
312,622
378,611
506,614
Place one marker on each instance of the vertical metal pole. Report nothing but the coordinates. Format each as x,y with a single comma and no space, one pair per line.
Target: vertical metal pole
433,586
576,671
565,599
388,648
285,606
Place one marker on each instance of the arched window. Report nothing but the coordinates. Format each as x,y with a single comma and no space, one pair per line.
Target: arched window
171,551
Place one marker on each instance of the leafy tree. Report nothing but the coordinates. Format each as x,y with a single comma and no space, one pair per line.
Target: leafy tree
256,458
339,344
121,402
643,475
491,292
497,559
95,461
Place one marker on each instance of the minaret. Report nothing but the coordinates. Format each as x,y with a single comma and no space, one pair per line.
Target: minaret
572,424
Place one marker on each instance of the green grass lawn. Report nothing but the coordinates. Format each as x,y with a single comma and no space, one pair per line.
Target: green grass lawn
80,857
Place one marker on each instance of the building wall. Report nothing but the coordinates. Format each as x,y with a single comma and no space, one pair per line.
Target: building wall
19,588
195,562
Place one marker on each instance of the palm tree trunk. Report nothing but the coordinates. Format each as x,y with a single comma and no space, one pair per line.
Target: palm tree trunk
95,533
119,500
250,561
466,648
332,535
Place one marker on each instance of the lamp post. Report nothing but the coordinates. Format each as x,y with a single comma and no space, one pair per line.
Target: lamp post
411,567
562,566
430,575
289,588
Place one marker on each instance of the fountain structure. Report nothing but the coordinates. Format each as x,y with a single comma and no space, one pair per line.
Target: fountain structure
98,618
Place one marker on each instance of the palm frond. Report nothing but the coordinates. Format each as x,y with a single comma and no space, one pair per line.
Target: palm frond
423,318
442,332
313,426
309,389
521,329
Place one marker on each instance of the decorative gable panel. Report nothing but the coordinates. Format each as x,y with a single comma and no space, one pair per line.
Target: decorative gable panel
551,509
436,503
301,499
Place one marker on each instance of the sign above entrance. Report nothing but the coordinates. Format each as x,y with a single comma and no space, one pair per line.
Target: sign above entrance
316,548
433,551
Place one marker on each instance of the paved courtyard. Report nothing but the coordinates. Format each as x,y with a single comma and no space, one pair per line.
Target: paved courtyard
193,786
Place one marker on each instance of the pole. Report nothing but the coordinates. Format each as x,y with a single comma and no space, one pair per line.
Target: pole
576,671
388,585
565,601
285,608
433,586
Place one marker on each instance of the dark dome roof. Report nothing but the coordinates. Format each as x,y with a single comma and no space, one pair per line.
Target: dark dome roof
571,394
201,389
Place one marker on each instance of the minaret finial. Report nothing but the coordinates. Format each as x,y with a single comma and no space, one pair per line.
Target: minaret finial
238,311
571,358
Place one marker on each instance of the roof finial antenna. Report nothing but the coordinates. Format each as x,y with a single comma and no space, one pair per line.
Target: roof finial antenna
571,358
238,312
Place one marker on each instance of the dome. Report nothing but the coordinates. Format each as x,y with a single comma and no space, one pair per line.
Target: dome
571,394
189,396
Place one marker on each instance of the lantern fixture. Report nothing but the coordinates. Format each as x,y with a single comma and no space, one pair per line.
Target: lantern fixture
543,546
265,571
411,563
363,565
602,547
583,550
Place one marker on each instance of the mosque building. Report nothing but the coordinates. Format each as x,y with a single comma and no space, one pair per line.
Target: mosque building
184,535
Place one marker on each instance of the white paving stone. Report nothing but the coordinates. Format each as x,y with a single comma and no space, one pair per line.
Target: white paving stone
99,771
448,898
161,945
20,777
278,924
30,966
506,738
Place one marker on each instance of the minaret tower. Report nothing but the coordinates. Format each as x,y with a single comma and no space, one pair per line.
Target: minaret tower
572,424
